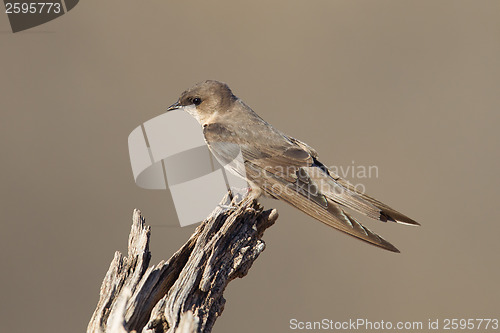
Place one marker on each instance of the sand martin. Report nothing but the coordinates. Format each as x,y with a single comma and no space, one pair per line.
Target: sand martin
280,166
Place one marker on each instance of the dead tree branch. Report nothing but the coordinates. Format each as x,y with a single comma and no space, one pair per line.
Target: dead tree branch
185,293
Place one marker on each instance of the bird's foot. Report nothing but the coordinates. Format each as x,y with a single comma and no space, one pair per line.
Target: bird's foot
235,197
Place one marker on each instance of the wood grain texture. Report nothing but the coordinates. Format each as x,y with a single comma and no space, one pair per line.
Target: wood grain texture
185,293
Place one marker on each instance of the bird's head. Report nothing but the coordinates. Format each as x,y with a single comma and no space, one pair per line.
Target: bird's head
205,99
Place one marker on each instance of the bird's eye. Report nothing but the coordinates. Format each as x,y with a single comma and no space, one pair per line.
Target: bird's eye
196,101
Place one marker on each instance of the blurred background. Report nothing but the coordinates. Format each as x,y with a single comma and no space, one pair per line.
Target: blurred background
411,87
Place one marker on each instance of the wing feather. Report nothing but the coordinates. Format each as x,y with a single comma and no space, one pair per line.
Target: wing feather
288,169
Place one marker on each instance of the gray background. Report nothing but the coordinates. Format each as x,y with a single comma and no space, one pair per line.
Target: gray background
408,86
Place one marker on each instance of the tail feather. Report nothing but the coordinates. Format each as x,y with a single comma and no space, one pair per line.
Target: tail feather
345,194
386,213
326,211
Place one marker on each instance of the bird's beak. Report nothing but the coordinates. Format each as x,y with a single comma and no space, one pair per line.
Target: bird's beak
174,106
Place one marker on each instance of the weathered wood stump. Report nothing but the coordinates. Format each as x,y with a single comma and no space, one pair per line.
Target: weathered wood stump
185,293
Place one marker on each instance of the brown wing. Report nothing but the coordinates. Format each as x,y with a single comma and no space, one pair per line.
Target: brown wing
342,192
287,169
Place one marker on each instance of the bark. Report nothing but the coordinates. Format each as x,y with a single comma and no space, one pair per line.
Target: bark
185,293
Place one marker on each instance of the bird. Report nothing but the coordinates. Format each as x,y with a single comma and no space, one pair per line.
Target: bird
279,166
